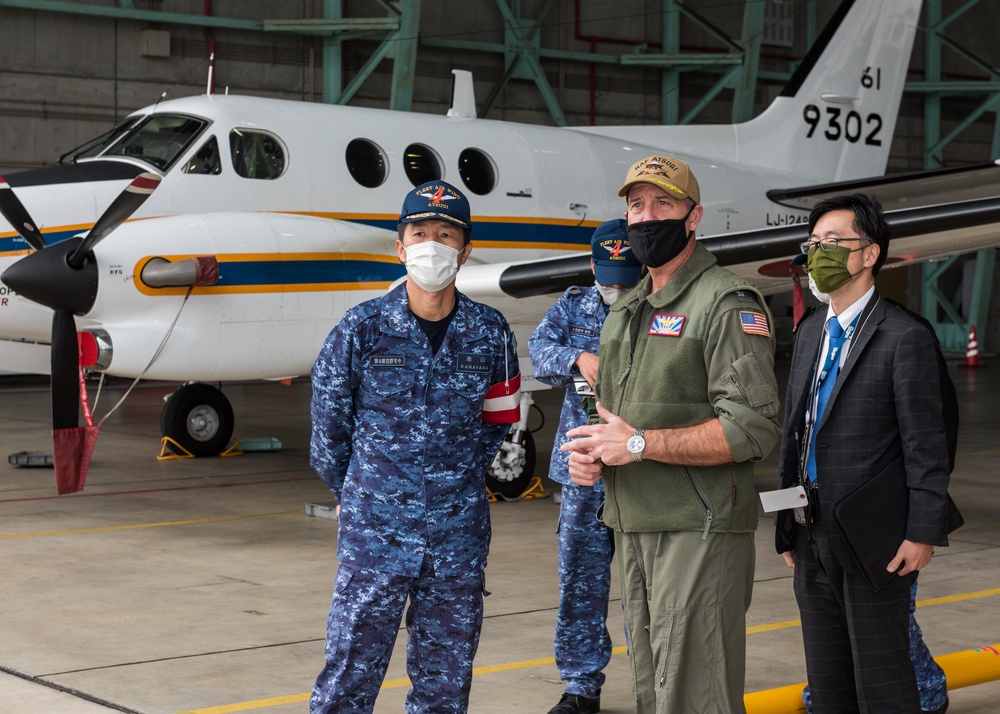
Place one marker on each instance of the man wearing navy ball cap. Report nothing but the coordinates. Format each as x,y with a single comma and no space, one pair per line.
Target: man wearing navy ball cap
564,354
413,394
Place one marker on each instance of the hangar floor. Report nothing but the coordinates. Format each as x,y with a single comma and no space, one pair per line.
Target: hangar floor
203,586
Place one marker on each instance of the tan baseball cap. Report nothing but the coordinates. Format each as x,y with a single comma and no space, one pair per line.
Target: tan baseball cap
672,175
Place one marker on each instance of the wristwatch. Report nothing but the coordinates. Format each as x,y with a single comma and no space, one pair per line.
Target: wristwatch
636,444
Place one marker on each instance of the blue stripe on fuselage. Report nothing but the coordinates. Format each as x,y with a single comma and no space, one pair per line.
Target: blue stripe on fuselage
306,272
294,272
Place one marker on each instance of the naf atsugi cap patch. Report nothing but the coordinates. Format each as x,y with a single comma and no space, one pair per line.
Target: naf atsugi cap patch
436,199
672,175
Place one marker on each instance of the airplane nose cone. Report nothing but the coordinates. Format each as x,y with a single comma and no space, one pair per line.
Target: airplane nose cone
46,278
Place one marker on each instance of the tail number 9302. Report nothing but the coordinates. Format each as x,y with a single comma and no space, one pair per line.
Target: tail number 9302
837,124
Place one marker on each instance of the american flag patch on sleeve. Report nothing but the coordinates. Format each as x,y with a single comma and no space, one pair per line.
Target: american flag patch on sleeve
754,323
503,402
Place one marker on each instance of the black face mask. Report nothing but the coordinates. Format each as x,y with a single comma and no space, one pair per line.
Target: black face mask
658,242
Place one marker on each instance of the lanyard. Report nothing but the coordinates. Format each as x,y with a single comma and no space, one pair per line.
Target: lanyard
829,366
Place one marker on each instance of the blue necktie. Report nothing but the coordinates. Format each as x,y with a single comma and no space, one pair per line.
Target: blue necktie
827,377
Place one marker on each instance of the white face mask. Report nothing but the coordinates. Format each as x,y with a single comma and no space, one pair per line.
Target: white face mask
611,295
822,297
431,265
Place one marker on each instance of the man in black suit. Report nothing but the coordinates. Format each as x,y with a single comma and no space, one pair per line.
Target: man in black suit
864,373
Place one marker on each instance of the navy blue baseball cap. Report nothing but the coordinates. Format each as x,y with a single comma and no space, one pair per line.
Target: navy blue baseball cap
437,200
800,259
614,261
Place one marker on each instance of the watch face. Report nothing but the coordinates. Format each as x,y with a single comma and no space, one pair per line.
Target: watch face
635,444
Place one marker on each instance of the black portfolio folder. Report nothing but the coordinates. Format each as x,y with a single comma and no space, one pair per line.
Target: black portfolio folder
872,518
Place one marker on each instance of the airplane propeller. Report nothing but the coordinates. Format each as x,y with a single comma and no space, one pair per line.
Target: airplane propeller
13,210
63,277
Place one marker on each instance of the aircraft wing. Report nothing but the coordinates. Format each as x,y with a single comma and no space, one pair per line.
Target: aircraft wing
763,257
904,190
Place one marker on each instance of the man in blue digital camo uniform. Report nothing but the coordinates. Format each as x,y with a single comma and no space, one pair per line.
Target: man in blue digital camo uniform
413,393
564,354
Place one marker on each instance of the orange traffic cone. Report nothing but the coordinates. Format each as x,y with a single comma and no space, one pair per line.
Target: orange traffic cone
972,350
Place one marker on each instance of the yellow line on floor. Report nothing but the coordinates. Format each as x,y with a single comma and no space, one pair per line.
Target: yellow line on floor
920,603
545,661
957,598
102,529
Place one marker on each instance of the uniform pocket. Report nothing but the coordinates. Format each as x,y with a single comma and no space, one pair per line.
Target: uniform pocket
747,374
338,632
463,395
390,382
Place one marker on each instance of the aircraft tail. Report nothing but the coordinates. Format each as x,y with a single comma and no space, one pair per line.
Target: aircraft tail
834,121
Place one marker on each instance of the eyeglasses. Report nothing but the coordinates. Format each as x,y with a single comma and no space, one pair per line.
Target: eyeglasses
825,244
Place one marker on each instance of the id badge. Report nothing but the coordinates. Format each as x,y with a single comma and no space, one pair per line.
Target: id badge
794,497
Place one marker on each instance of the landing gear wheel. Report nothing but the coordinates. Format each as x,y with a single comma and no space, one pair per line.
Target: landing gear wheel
513,468
199,418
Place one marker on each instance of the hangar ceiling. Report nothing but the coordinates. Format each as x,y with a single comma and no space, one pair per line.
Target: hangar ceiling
733,65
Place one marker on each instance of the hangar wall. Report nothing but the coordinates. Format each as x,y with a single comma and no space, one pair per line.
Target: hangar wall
67,77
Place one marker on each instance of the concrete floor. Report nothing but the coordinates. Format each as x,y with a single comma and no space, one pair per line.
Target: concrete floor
202,585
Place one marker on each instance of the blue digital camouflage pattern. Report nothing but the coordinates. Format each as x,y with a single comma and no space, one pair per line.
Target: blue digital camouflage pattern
443,623
931,682
398,434
586,546
571,326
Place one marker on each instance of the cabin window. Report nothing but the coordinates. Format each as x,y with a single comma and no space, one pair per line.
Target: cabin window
477,171
158,140
257,154
366,162
206,161
421,164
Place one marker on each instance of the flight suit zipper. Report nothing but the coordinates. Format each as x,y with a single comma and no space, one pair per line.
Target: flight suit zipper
632,336
709,516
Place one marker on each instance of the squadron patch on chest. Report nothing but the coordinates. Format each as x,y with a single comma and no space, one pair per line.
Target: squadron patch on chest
476,363
388,361
667,325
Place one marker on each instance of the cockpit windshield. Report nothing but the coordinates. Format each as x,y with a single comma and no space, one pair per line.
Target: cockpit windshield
159,140
96,146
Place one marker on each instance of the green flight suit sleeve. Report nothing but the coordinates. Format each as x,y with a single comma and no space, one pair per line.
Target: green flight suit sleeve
743,391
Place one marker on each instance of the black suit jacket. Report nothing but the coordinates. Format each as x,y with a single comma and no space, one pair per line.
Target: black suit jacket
886,402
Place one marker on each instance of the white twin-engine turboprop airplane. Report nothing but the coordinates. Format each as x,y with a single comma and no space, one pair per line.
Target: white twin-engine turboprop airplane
311,193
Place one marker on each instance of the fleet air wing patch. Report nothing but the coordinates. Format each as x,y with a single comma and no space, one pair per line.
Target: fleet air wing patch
754,323
667,325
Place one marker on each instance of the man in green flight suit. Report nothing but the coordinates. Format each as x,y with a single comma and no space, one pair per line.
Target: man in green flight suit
687,401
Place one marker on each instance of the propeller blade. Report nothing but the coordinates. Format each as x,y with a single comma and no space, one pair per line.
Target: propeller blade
17,215
65,371
128,201
72,445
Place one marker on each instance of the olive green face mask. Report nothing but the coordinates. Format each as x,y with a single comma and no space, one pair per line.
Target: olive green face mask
829,268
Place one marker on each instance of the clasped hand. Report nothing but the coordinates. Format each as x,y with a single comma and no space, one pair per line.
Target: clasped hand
595,445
